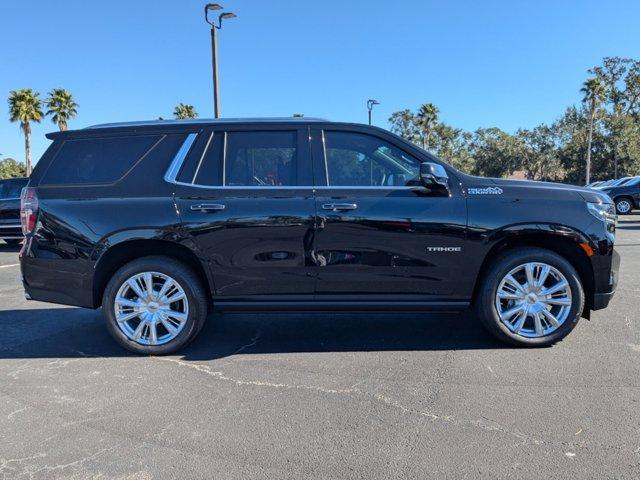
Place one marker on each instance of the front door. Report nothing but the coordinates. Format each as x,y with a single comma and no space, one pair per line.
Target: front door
379,232
246,200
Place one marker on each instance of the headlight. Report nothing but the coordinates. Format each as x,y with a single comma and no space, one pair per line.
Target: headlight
603,211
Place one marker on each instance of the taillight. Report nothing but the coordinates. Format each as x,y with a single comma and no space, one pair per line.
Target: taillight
28,209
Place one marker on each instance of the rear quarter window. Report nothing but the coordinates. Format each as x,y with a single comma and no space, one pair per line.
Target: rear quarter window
97,160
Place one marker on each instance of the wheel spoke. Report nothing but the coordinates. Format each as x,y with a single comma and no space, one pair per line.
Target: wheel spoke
514,283
521,318
503,295
169,326
148,280
552,319
562,284
528,268
537,321
179,316
137,333
153,333
507,314
125,317
168,284
564,301
133,283
175,298
542,277
125,302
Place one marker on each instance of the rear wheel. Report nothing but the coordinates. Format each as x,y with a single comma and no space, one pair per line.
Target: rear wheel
530,297
624,206
154,305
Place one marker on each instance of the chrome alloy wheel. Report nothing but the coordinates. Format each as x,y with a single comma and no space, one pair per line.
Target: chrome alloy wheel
533,300
623,206
151,308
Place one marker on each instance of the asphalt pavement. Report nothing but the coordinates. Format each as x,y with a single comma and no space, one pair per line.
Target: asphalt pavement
339,395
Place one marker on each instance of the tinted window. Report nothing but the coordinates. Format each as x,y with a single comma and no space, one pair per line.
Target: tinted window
97,160
261,159
203,165
355,159
12,188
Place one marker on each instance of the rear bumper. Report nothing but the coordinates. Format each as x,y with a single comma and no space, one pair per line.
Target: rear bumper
45,282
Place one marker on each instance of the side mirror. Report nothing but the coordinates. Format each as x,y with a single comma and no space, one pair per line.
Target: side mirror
433,175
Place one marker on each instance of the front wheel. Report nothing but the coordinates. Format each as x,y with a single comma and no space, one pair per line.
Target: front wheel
154,305
623,206
530,297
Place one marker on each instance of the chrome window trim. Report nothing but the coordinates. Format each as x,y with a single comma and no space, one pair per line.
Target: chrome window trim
9,199
326,165
204,152
224,160
178,160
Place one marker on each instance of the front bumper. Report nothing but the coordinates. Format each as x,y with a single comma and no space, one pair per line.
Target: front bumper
602,298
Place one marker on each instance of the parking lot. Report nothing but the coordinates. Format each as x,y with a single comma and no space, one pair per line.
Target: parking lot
290,395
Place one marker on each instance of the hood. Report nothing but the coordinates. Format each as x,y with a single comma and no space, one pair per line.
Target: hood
553,188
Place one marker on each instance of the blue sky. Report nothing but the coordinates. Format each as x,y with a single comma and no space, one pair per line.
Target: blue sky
508,64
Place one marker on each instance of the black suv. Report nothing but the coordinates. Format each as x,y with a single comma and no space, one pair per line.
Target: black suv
625,195
10,229
158,222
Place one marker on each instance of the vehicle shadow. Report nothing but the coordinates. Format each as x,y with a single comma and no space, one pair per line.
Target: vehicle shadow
5,247
74,332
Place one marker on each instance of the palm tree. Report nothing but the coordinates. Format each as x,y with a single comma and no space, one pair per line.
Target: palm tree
183,111
61,107
594,93
427,118
25,107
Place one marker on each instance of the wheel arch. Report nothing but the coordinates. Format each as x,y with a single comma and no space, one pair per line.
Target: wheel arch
112,257
567,242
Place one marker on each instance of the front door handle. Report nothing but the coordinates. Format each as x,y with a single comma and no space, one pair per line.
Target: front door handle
207,207
339,206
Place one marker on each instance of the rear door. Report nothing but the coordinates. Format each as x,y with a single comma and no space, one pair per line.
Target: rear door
246,200
381,233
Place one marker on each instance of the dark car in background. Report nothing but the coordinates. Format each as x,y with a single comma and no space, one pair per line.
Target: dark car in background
624,193
10,229
158,222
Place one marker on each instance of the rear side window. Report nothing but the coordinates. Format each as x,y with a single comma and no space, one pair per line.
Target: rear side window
97,160
261,159
11,188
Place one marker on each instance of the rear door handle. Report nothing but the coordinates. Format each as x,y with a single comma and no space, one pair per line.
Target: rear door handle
208,207
339,206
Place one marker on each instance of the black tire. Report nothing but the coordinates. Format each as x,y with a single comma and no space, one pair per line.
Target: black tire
624,205
503,264
13,242
185,277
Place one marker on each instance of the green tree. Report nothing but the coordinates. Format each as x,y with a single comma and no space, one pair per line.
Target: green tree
25,107
403,123
426,119
182,111
594,93
495,152
61,107
10,168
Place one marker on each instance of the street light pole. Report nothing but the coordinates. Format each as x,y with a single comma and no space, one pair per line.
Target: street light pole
214,50
370,103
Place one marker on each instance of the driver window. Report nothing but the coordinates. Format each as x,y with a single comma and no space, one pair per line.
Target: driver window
360,160
260,159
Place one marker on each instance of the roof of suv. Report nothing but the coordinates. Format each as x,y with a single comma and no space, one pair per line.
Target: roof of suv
210,121
191,122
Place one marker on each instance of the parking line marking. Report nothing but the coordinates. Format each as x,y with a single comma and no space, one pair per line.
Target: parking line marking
8,266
